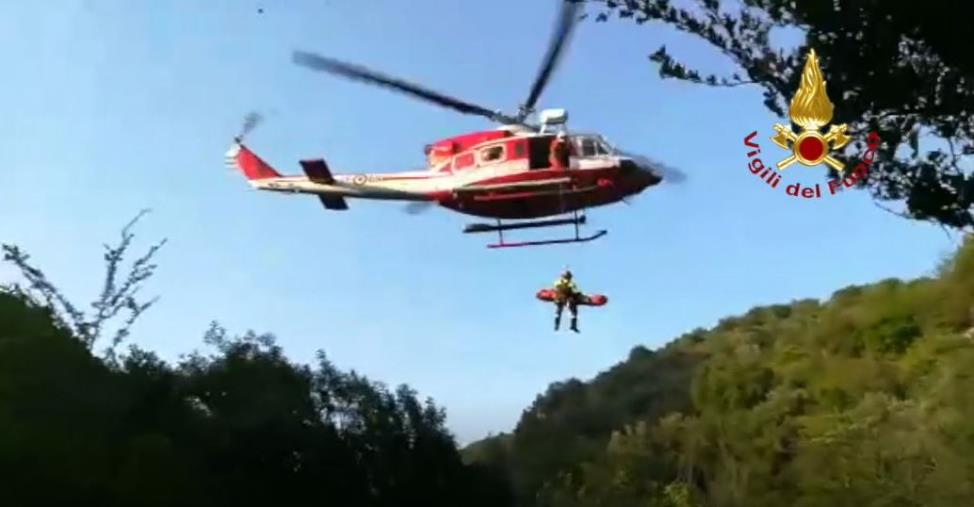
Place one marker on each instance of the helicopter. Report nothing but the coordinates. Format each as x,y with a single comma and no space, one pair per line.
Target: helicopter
504,174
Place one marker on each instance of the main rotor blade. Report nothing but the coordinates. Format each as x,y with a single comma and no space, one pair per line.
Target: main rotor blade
359,73
670,174
567,19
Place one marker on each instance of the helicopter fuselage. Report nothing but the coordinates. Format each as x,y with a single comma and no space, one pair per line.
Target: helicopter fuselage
493,174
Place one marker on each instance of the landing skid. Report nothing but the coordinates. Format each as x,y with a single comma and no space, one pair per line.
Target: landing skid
576,220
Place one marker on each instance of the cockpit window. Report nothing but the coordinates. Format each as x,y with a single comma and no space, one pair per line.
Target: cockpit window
589,146
586,146
592,146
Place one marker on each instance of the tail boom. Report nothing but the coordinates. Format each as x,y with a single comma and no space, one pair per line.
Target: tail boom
331,189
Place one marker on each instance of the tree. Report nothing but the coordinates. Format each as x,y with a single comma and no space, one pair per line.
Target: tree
239,426
864,398
899,69
116,297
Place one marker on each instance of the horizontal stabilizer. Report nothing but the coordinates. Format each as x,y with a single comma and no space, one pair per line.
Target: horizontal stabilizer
317,171
335,202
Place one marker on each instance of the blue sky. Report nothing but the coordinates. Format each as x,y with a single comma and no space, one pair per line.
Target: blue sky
112,106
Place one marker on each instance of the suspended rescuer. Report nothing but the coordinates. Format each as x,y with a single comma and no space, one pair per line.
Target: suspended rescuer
566,292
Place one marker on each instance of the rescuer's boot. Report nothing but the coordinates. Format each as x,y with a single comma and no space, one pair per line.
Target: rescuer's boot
575,324
557,322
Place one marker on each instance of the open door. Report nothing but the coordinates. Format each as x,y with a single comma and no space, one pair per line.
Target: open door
538,151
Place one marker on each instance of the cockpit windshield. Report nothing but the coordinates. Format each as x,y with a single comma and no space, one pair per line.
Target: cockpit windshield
604,147
592,146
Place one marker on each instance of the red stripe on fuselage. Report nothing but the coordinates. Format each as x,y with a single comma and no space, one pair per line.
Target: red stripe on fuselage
536,206
549,174
539,204
381,177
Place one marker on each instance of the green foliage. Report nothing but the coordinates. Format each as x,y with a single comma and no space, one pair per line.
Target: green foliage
572,422
892,67
864,399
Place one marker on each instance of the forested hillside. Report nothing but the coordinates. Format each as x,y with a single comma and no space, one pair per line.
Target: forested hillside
865,399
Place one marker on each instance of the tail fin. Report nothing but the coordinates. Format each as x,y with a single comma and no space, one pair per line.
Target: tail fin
252,167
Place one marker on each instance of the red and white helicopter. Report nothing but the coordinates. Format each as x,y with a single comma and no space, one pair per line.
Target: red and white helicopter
504,173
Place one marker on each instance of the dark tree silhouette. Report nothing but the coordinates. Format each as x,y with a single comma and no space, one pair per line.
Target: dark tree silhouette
239,426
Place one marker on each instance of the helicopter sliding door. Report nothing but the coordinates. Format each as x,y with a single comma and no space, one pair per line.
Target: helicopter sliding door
538,150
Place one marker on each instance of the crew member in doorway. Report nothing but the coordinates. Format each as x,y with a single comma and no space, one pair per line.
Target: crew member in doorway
558,157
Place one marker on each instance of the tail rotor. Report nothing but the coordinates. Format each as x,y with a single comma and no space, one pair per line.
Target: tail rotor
250,122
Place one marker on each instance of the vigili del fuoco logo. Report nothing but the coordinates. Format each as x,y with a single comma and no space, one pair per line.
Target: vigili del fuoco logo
810,110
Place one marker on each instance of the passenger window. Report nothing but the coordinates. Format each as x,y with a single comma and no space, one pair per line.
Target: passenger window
492,154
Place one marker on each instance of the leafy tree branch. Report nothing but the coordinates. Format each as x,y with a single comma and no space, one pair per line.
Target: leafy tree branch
891,68
117,298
